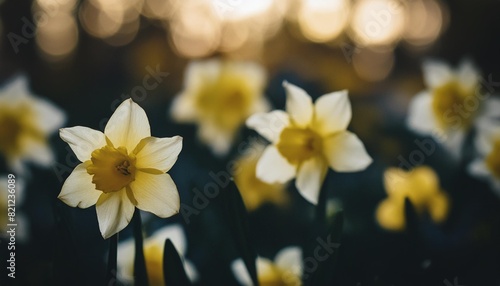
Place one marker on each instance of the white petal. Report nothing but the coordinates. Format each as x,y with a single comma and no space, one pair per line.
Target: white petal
468,75
158,153
261,105
346,153
478,168
128,125
114,212
173,232
17,88
183,108
241,273
290,258
49,118
436,73
298,105
125,261
78,189
487,131
83,140
453,142
156,194
199,72
269,125
191,271
218,140
274,168
333,112
38,152
491,108
310,178
420,115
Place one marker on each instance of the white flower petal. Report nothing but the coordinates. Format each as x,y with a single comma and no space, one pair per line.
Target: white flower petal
261,105
37,152
114,212
78,189
17,88
173,232
49,118
453,142
346,153
436,73
420,115
183,108
199,72
491,108
125,261
478,168
487,131
128,125
158,153
468,75
269,125
83,140
274,168
218,140
310,178
240,272
333,112
290,258
191,271
298,105
156,194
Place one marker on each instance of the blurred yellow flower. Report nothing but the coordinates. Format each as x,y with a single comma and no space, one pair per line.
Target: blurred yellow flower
122,168
286,269
25,125
219,96
487,163
447,109
153,255
254,191
421,187
308,138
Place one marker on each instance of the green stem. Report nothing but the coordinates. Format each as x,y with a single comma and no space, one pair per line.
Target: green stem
321,207
111,272
140,273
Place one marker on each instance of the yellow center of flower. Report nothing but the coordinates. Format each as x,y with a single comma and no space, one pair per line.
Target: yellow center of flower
225,101
153,255
493,160
10,128
275,276
112,168
449,105
298,145
16,126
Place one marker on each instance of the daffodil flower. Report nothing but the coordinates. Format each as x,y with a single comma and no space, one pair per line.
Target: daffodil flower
449,106
254,191
421,187
121,169
219,96
26,122
308,138
153,255
285,269
487,163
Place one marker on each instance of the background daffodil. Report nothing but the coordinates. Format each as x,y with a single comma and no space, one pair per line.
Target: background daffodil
307,139
421,187
219,95
26,122
121,169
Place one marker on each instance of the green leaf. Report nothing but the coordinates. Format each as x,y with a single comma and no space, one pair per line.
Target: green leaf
112,263
411,218
173,268
140,273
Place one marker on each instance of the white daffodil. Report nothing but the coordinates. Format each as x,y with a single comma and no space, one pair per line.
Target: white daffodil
308,138
153,255
122,168
26,122
450,104
286,269
219,96
487,143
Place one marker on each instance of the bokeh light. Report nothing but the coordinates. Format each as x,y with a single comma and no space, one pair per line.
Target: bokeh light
426,20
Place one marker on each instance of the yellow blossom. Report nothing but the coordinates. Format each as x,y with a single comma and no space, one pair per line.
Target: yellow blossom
450,104
285,270
153,256
487,163
307,139
121,169
421,187
25,125
219,96
254,191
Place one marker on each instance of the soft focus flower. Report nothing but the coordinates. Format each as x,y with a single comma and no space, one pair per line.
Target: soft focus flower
219,96
421,187
153,255
487,143
254,191
122,168
25,125
449,105
308,138
286,269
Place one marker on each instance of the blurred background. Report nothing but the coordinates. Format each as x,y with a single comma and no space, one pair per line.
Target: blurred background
86,56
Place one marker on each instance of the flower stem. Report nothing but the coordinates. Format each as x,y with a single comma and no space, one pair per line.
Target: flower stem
111,272
140,273
321,207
